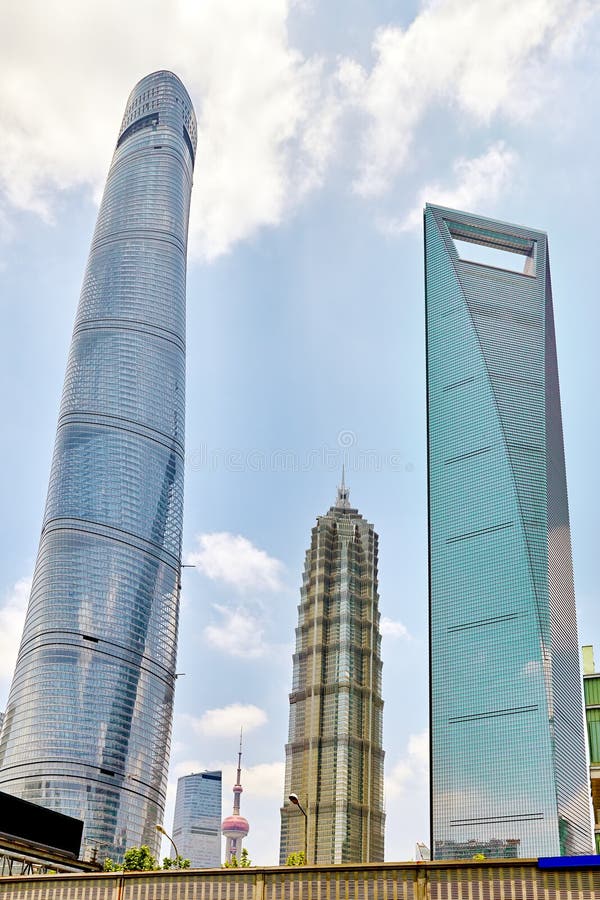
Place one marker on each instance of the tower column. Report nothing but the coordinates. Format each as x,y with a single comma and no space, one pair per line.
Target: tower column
235,827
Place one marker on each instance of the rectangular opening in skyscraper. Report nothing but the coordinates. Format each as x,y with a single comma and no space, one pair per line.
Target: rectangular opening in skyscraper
495,249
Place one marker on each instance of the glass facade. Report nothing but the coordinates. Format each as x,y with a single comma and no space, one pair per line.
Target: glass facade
508,762
197,820
88,721
334,755
591,695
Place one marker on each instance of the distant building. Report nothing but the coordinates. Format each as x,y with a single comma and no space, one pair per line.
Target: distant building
591,693
235,827
197,820
422,852
508,755
334,755
507,848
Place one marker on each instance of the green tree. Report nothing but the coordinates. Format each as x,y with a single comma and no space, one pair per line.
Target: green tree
244,862
296,859
139,859
178,863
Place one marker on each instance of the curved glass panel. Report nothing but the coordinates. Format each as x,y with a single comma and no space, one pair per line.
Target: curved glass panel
88,722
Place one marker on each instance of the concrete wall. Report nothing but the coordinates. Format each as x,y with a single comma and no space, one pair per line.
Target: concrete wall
491,880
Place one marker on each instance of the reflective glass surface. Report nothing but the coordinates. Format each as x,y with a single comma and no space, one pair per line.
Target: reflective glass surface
334,755
197,820
88,722
508,770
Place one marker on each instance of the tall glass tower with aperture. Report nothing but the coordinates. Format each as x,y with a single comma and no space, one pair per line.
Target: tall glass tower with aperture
334,755
508,764
88,722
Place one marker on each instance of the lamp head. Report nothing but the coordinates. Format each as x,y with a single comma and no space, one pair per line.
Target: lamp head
293,798
160,828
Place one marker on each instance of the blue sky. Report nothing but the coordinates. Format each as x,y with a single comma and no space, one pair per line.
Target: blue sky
324,127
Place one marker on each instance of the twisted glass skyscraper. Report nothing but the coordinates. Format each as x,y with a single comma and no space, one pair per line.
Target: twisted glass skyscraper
508,764
88,721
334,755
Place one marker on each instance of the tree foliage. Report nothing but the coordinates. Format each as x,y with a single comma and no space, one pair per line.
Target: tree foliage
178,863
244,862
296,859
140,859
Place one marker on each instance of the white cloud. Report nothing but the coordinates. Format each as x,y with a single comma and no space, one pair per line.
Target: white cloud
12,618
260,780
393,629
235,560
265,780
264,136
482,59
240,633
264,127
478,182
227,721
270,119
407,799
412,770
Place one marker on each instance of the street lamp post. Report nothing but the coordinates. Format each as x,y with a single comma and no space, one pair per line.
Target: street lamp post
168,836
94,848
184,566
293,798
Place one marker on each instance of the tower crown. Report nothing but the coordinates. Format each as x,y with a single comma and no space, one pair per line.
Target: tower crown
343,493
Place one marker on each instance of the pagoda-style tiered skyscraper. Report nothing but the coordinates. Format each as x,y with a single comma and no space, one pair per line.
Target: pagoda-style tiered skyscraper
334,757
88,721
508,763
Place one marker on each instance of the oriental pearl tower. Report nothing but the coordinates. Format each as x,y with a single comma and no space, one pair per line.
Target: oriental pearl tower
235,827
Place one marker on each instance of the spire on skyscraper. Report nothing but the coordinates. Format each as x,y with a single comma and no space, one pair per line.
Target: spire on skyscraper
237,788
343,493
